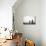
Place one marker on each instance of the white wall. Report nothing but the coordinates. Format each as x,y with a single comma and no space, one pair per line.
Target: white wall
6,13
29,8
43,22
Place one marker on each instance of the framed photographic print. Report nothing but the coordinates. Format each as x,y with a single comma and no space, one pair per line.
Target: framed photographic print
29,20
